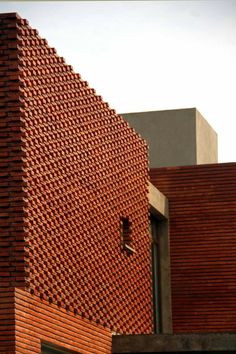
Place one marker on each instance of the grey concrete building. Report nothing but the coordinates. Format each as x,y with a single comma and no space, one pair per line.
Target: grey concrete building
176,137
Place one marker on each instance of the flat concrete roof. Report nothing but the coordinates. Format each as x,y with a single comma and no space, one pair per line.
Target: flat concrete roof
174,343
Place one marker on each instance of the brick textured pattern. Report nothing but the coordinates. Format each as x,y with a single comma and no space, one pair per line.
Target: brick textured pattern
7,321
202,201
77,168
11,192
37,322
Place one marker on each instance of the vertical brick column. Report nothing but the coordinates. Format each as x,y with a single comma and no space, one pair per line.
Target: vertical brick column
11,194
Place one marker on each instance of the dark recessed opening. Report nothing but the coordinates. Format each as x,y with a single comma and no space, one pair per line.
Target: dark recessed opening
49,348
126,234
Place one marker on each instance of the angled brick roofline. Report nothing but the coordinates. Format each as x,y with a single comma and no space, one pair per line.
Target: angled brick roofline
10,15
72,168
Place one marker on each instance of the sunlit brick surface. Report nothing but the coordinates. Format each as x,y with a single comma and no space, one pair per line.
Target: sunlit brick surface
82,168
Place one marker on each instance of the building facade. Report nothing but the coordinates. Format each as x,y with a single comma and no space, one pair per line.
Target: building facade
75,247
202,206
91,249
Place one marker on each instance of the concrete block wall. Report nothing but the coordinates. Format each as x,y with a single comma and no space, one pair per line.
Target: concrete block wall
176,137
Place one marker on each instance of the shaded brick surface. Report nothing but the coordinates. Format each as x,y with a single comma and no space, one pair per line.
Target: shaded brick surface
72,168
11,192
202,207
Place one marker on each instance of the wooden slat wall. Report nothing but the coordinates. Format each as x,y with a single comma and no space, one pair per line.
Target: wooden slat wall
202,201
38,321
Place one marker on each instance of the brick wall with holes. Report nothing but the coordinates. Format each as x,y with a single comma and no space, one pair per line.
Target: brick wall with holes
202,207
72,169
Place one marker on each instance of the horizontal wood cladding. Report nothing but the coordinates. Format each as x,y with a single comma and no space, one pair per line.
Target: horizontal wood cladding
202,208
37,322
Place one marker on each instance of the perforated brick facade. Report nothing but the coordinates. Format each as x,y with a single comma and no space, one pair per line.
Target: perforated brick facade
72,169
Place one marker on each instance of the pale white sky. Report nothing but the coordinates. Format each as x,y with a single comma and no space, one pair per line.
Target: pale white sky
149,55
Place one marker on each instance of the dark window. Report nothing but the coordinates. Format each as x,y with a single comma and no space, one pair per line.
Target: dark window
126,234
48,348
155,273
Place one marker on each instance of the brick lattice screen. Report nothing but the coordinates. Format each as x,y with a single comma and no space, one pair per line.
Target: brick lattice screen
73,169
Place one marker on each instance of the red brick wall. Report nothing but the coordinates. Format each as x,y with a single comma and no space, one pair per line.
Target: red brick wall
81,168
202,202
7,338
11,193
38,322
